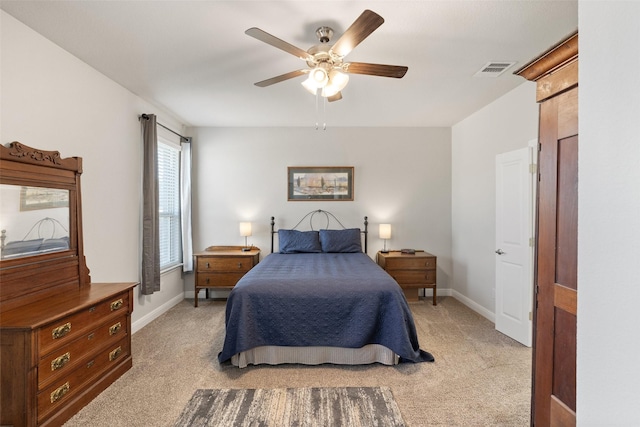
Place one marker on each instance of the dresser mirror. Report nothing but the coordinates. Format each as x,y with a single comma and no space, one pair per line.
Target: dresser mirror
40,224
33,220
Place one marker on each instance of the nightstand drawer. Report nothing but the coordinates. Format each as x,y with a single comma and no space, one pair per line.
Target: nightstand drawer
218,280
413,276
412,272
410,262
243,264
222,267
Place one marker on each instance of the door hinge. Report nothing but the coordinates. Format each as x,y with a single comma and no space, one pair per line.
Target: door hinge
530,315
533,168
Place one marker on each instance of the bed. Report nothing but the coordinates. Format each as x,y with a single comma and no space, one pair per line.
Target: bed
319,299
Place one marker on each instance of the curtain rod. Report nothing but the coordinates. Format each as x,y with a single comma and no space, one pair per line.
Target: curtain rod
182,138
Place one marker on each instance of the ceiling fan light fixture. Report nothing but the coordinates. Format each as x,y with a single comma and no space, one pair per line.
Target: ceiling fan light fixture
319,77
327,73
309,85
337,82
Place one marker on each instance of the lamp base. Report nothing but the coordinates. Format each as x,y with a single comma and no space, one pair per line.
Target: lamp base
384,251
246,249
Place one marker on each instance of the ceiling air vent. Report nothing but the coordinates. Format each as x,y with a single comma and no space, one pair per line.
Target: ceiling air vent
494,69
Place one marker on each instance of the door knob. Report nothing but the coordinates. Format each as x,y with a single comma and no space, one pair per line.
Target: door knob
500,252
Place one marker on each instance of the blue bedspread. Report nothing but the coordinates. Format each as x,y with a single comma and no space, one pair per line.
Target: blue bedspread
319,299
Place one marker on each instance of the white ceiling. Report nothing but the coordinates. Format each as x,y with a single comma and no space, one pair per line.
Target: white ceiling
193,59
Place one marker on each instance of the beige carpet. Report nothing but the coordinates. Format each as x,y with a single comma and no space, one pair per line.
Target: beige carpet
480,377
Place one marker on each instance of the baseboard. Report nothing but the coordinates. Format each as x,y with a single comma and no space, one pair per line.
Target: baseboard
474,306
145,320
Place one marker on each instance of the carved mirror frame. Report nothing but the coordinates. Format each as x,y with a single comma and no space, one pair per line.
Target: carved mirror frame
34,277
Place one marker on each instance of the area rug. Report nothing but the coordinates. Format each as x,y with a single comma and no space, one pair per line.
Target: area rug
308,407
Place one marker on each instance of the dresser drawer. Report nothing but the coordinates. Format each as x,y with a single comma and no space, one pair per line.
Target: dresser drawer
64,359
64,389
410,262
221,280
69,328
243,264
407,277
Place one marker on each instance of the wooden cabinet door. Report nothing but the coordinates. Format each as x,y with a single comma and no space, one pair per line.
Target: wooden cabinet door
554,367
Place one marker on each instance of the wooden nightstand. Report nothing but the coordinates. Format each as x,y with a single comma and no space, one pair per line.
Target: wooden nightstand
412,272
223,266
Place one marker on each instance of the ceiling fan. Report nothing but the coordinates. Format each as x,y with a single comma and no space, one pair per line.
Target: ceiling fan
327,72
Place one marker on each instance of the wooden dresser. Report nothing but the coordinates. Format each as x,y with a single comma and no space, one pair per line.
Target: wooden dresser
58,354
63,339
411,271
223,266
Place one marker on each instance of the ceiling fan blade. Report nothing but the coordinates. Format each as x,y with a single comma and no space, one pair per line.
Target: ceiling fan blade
336,97
364,25
263,36
397,71
281,78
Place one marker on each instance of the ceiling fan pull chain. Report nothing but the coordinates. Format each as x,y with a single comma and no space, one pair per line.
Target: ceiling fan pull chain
317,110
324,113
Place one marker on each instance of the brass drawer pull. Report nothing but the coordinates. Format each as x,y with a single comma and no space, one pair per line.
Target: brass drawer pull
116,304
61,331
114,354
208,266
239,265
59,362
115,328
90,364
208,281
58,393
92,309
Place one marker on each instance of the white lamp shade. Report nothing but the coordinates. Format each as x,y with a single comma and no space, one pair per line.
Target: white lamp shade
309,85
245,229
385,231
337,82
319,76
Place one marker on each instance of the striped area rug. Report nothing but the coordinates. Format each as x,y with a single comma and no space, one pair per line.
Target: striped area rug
308,407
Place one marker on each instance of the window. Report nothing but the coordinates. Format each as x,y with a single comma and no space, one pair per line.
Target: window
169,204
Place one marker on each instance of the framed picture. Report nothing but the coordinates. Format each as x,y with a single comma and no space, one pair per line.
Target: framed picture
33,198
320,183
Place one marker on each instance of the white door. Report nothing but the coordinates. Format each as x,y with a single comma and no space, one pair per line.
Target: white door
515,181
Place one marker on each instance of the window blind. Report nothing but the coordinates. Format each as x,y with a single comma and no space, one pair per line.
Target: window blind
169,205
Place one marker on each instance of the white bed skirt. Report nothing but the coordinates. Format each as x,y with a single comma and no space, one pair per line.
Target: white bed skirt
275,355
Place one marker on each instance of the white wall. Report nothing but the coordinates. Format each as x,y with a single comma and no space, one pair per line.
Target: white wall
402,177
608,372
52,100
507,124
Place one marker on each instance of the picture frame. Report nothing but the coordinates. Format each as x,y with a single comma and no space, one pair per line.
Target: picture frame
35,198
313,183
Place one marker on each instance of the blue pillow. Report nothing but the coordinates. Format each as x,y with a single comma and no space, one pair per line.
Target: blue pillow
347,240
294,241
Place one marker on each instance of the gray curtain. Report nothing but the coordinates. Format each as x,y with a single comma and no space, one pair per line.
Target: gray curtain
150,223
